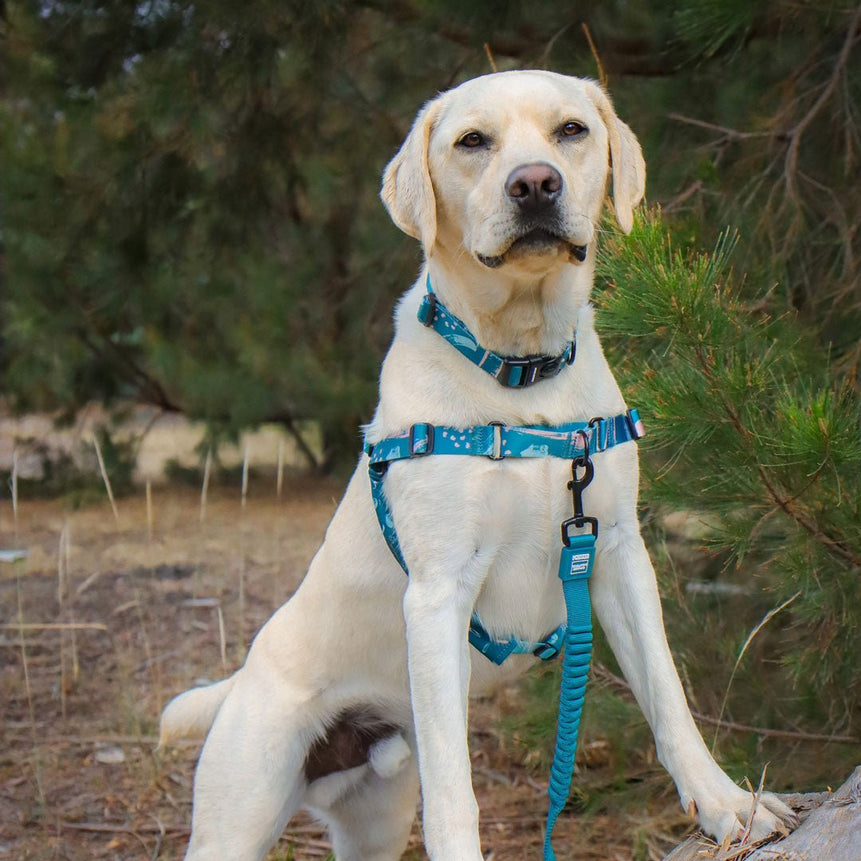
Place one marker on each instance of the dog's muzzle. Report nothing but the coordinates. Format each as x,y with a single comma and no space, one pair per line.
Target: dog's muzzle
538,238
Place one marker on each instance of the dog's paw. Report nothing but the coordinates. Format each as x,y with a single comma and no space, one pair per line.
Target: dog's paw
724,812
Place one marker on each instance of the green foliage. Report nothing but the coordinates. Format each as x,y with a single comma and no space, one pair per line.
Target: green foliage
190,189
749,426
183,206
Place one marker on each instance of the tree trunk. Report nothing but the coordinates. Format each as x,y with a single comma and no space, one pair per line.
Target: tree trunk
830,830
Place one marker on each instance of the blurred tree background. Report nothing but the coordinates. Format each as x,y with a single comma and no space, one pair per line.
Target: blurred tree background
189,189
190,219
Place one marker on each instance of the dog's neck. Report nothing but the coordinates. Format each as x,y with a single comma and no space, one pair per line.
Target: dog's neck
512,311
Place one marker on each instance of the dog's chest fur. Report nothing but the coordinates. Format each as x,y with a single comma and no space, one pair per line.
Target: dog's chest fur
506,514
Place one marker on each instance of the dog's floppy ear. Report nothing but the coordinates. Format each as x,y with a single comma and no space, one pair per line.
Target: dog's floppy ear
626,157
407,189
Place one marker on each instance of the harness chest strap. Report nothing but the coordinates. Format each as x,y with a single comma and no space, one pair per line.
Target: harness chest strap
495,441
498,441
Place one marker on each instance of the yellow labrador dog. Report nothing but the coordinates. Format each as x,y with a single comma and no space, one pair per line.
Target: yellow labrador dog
354,693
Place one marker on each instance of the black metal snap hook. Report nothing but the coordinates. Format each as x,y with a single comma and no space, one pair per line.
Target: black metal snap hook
579,483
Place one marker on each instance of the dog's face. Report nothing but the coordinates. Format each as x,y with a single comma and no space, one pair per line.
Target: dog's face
512,168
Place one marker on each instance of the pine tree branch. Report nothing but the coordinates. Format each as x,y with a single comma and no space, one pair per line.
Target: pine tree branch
148,389
622,55
727,134
787,504
610,678
828,90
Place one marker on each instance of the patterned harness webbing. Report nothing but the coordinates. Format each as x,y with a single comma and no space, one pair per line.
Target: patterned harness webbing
494,441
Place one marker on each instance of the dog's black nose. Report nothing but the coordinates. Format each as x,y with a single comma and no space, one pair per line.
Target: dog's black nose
534,186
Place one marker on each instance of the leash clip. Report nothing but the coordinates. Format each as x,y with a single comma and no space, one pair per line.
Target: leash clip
578,483
578,523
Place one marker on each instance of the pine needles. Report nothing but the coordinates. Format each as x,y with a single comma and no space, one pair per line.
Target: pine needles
749,424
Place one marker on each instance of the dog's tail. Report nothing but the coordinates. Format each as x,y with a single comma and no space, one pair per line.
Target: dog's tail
191,714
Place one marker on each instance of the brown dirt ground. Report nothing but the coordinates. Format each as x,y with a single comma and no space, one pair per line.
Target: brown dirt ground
125,613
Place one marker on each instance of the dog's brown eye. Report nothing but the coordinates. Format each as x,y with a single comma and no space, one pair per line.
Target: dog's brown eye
471,140
572,129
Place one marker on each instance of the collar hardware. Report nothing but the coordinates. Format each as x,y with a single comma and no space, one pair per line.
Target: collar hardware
427,310
519,373
513,372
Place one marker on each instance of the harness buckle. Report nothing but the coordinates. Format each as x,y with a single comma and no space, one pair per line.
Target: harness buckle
426,436
497,454
551,646
546,652
635,424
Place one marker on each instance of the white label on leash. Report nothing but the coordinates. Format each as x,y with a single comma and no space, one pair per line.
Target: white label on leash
579,563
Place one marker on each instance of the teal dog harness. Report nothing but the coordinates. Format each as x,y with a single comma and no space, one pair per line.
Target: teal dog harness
575,441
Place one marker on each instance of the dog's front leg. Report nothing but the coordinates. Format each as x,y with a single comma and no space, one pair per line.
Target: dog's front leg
626,600
437,609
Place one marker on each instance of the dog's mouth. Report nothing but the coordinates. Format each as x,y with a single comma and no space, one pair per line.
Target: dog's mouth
535,242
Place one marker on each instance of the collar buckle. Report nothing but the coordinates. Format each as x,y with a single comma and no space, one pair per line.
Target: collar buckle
427,310
519,373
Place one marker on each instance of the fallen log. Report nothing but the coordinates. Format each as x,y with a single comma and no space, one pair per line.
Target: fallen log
829,830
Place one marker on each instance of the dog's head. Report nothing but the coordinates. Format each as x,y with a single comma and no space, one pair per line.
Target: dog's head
513,168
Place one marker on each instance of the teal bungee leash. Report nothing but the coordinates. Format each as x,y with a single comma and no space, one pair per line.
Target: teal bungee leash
575,569
575,441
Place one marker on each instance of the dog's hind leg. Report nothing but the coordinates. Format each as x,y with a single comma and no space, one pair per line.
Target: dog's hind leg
250,776
372,820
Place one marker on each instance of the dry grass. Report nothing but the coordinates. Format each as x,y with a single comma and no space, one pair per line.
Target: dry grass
109,616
